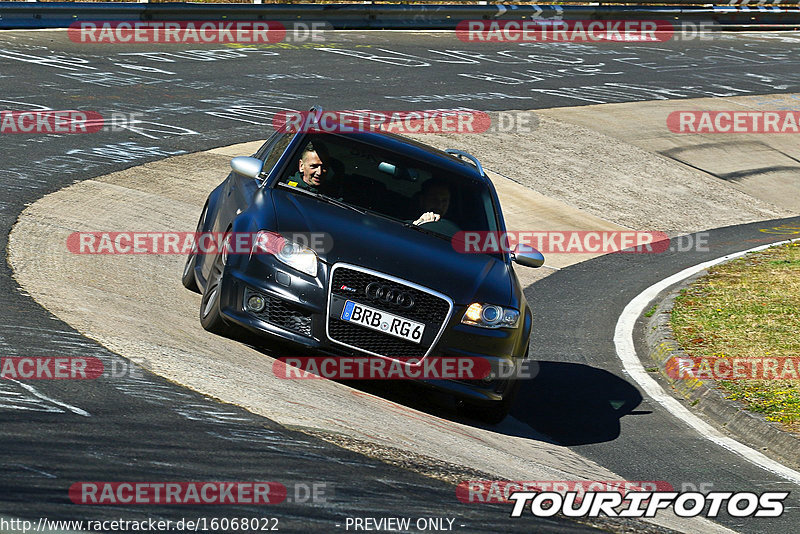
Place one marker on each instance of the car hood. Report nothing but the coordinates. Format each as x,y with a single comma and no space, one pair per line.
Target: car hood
386,246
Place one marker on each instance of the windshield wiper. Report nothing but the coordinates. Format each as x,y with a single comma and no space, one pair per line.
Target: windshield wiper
419,228
324,198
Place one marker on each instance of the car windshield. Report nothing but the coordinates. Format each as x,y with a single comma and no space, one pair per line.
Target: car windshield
423,197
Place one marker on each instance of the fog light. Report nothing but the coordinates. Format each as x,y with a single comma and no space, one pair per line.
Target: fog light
256,303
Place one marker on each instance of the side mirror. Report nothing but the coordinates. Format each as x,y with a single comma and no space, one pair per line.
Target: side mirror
527,256
250,167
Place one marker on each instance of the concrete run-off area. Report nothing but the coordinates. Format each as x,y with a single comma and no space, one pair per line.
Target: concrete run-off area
565,175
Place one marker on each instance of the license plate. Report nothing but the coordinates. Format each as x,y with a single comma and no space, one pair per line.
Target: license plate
382,321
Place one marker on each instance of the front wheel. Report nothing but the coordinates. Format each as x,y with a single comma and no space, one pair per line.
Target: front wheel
210,315
188,279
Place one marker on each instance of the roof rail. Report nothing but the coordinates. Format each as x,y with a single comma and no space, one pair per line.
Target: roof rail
317,110
461,155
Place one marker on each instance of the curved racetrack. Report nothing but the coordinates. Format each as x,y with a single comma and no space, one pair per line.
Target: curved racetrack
600,158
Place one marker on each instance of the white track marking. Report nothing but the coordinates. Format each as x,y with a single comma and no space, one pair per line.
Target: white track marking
15,398
69,407
623,342
43,473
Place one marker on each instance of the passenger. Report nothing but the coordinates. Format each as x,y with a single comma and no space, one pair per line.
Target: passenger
434,201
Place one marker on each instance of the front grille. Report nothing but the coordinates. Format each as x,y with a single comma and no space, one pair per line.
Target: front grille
374,341
427,308
281,313
430,309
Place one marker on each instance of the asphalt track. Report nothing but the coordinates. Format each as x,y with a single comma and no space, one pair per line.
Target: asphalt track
581,381
580,394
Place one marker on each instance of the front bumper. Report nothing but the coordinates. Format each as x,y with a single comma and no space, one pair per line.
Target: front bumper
298,313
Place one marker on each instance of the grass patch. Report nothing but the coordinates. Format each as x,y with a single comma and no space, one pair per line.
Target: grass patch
651,311
748,308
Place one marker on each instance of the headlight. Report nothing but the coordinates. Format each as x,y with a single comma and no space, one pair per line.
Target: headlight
490,316
296,256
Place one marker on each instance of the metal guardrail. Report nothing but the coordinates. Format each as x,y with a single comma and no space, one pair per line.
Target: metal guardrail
507,3
751,4
389,16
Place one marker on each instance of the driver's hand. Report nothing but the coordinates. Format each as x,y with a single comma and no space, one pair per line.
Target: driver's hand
427,217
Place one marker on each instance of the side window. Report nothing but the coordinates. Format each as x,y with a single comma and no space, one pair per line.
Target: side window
267,146
275,151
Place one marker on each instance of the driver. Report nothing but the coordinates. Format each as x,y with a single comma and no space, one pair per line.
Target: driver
434,200
312,172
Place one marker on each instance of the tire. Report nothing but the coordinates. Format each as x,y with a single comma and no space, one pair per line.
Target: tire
210,317
188,279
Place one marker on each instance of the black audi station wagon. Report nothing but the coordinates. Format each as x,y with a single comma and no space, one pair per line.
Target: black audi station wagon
365,225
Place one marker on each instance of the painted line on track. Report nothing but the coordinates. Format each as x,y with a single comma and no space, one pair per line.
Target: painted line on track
626,351
42,396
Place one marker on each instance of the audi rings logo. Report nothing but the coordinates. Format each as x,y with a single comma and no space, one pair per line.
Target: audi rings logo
377,291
